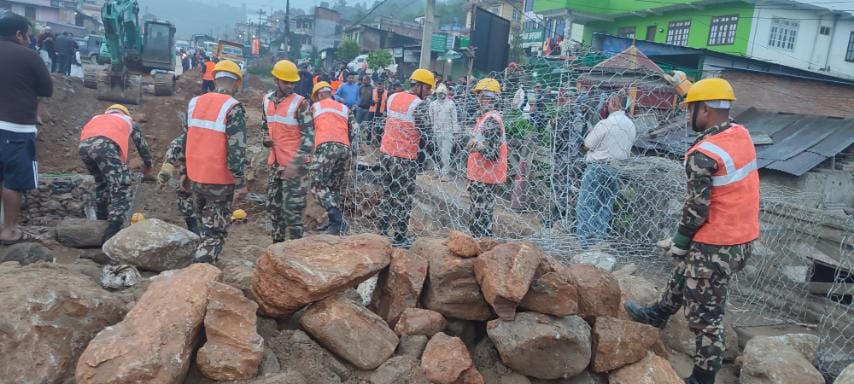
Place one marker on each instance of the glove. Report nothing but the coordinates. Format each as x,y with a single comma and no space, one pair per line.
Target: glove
677,246
165,173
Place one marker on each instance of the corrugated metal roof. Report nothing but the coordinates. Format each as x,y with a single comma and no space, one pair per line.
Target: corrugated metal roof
800,142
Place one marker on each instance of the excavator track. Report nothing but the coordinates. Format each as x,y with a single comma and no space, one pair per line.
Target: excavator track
164,84
111,88
90,78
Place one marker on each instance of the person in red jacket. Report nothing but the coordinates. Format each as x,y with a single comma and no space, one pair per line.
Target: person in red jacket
103,148
720,221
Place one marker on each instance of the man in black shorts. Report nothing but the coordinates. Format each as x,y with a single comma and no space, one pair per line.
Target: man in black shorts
25,78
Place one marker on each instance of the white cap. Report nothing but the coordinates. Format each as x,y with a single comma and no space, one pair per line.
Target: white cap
718,104
222,74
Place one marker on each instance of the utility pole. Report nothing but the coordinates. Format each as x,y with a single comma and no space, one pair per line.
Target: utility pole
427,34
287,40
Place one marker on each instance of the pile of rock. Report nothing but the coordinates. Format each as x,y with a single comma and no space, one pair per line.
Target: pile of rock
58,197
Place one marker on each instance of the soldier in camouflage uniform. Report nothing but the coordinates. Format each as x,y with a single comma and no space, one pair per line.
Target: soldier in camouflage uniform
286,128
174,163
216,173
403,142
487,162
104,150
720,220
332,138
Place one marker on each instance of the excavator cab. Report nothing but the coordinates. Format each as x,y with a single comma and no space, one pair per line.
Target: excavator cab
158,46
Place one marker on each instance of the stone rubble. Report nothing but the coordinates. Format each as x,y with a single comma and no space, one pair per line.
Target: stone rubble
417,321
452,288
445,359
153,245
504,274
399,286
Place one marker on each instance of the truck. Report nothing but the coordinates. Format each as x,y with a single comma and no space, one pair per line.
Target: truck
229,50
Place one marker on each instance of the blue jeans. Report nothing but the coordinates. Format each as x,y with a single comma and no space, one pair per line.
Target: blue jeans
595,206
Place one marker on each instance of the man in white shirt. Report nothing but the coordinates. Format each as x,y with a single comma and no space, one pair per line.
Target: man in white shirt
443,112
610,140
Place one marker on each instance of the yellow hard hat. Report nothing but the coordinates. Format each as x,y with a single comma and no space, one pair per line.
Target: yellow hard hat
710,90
320,85
118,107
487,84
238,215
230,67
285,70
423,76
136,217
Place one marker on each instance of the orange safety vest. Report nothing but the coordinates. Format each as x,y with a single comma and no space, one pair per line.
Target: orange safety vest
113,126
283,127
401,137
380,101
330,122
734,209
209,67
478,167
207,142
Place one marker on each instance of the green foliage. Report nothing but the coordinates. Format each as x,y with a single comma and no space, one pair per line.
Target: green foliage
347,50
517,53
261,70
379,59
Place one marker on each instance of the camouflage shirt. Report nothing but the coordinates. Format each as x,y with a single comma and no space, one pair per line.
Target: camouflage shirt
138,140
491,143
235,131
305,120
699,168
175,154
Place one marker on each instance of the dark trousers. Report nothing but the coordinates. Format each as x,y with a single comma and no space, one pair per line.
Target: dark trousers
207,86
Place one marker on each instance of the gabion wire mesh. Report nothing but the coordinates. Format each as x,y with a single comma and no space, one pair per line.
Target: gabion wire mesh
548,111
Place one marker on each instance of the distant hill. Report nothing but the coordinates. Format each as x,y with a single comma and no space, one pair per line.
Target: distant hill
192,17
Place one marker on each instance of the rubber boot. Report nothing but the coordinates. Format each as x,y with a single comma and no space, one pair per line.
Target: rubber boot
192,225
336,222
700,376
651,315
112,229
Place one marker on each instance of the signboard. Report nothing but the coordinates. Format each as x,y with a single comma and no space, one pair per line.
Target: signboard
256,46
411,56
397,52
532,38
439,43
464,42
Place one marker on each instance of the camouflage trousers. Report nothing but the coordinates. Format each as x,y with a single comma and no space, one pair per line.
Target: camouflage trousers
482,205
213,206
700,282
186,206
112,178
285,205
328,171
398,188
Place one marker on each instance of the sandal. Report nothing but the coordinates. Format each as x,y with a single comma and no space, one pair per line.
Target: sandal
24,238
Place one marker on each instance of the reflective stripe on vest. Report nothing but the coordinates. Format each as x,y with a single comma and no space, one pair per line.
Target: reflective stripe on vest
114,126
733,216
401,138
209,67
283,128
207,143
377,101
478,168
330,122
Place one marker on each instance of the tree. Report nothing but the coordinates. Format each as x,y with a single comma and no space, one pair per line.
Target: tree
379,59
347,50
517,53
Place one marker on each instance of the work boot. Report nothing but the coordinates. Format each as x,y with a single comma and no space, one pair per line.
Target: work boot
192,225
336,222
652,315
701,376
112,229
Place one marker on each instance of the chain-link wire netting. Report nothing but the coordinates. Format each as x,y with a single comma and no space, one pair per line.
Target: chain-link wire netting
567,192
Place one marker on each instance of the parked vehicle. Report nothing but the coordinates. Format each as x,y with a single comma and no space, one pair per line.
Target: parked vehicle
89,48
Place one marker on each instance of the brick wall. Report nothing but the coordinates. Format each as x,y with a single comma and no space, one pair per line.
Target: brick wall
786,94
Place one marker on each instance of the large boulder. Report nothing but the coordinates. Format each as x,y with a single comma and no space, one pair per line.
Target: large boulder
417,321
552,291
234,348
846,376
295,273
505,274
154,342
350,331
399,286
463,245
25,253
81,233
652,369
542,346
445,359
48,313
598,291
153,245
452,288
296,350
780,360
617,343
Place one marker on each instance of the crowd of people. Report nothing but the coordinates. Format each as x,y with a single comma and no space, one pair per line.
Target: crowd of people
57,50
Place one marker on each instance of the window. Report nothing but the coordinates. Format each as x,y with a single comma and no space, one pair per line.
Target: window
30,12
677,32
529,5
849,54
783,34
722,30
517,16
824,30
627,32
650,32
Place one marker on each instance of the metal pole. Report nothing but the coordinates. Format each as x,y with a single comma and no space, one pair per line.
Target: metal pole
287,40
427,34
